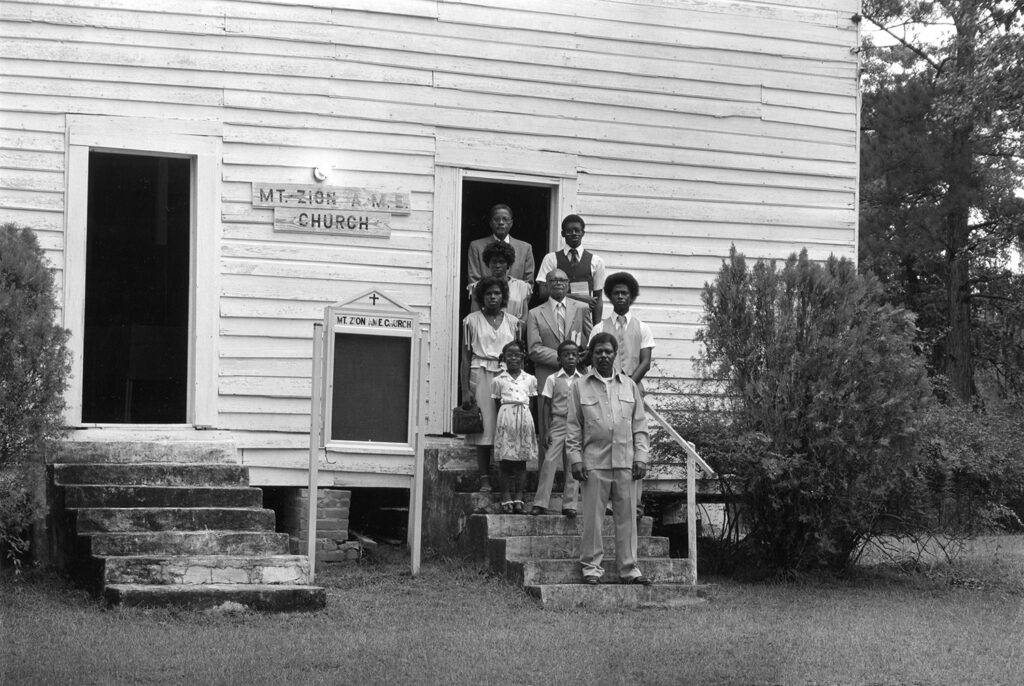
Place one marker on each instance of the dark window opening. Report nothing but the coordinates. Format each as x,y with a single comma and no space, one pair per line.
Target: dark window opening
137,289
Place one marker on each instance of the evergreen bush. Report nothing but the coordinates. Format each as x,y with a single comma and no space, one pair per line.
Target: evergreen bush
34,365
823,398
974,476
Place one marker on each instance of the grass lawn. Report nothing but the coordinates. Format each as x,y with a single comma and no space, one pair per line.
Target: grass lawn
453,625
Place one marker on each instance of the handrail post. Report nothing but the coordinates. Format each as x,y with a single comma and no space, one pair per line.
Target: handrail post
691,515
692,460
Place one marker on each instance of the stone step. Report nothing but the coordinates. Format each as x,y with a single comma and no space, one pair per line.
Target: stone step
161,474
539,572
564,547
206,569
255,597
88,520
161,496
502,526
490,503
172,543
616,596
123,447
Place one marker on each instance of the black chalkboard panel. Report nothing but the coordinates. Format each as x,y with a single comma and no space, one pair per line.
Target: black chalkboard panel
371,388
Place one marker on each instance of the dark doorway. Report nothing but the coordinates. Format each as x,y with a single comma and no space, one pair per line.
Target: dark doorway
137,278
531,214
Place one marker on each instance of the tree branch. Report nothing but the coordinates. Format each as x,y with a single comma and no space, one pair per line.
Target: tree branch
972,296
905,43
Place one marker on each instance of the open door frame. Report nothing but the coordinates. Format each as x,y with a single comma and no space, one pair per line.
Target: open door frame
201,143
455,162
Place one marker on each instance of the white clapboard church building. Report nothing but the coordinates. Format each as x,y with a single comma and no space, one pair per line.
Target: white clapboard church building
207,176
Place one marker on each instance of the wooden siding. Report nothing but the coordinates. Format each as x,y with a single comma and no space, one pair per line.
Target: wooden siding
694,125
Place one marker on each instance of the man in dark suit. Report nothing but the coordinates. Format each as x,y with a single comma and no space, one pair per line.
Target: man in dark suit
556,320
501,224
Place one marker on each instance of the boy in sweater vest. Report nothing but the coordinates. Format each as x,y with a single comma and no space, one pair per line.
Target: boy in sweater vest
636,343
584,268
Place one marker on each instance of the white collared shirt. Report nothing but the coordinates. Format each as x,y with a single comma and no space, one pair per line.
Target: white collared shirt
550,263
549,384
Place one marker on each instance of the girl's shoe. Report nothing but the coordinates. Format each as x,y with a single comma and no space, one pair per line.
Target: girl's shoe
507,507
485,484
518,507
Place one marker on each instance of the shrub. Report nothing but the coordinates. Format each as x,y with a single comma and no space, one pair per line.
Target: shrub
34,366
974,475
822,406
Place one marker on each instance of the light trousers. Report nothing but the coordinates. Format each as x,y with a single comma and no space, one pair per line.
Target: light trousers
602,486
555,458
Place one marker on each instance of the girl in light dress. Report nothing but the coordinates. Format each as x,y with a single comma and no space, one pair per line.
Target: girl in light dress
515,438
486,331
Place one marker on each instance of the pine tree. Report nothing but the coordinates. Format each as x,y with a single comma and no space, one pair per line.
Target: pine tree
34,363
942,163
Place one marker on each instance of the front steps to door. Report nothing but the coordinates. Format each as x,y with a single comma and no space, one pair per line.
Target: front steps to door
183,535
541,554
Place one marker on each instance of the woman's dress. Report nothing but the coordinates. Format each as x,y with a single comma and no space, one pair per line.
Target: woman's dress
485,342
515,437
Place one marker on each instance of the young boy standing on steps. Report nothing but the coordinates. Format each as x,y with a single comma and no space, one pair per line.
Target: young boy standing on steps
554,408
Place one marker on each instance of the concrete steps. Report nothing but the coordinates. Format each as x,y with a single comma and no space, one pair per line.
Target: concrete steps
541,554
255,597
538,572
153,474
103,495
96,519
564,547
660,595
187,543
191,535
206,569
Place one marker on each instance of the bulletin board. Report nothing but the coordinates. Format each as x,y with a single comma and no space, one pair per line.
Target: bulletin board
371,362
365,399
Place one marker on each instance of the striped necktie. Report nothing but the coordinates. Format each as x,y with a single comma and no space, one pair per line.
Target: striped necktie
620,335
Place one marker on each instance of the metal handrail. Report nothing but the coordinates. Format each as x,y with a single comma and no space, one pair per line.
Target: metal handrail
685,444
692,460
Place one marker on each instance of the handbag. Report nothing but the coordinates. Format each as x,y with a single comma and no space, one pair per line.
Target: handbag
467,419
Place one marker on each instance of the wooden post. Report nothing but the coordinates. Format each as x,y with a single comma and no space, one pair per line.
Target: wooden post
315,430
691,514
416,493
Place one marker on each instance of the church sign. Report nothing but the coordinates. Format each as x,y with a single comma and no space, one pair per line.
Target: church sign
333,210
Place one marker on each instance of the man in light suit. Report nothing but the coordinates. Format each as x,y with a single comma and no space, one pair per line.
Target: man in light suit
607,445
558,319
501,224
